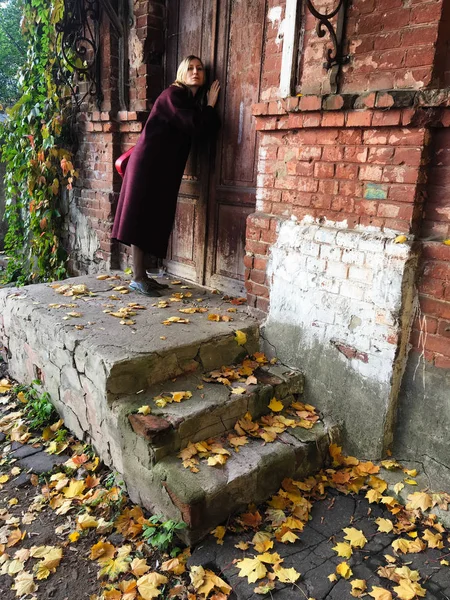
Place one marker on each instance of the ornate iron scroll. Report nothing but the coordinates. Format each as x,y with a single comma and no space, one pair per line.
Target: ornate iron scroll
335,55
79,32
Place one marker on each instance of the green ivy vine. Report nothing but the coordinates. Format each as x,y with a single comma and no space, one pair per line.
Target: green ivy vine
37,152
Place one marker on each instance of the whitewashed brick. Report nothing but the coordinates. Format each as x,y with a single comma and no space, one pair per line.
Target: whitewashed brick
360,274
316,265
337,269
310,249
347,239
330,252
353,257
326,235
372,244
353,290
330,285
398,250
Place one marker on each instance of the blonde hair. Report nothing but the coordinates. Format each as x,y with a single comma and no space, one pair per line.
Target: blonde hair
183,69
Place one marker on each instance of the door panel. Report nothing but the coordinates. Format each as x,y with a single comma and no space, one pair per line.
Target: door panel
233,181
218,188
190,30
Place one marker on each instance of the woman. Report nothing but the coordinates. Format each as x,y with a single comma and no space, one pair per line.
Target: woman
148,198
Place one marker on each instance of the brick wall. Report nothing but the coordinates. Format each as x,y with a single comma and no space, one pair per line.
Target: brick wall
431,335
391,44
105,134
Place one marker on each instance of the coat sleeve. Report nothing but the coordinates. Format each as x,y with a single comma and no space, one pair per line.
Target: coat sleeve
179,110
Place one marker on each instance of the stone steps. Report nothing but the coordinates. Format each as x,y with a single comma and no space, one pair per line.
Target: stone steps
211,411
98,372
205,499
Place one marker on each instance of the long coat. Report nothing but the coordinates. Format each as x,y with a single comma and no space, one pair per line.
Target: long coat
147,202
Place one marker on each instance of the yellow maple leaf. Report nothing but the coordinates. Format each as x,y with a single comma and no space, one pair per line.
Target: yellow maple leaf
344,570
420,500
410,472
384,525
398,487
102,551
239,390
444,562
252,568
332,577
87,521
242,546
148,585
446,242
359,586
204,581
174,565
286,575
400,239
139,567
270,558
343,549
4,478
411,481
219,533
144,410
355,536
434,539
74,536
407,590
24,584
262,541
379,593
400,545
217,459
5,386
74,489
240,338
289,536
275,405
113,567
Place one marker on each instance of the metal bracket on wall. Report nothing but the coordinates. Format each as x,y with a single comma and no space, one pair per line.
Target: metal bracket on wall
335,55
79,32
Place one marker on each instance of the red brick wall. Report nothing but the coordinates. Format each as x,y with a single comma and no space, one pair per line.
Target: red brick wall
431,333
391,43
105,134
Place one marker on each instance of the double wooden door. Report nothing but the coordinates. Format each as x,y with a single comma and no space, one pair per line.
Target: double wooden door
218,188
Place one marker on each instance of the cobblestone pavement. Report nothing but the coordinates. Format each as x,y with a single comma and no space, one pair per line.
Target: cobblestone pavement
312,555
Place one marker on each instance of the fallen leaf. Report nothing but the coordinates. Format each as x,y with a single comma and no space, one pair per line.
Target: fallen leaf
148,585
400,239
420,500
286,575
359,586
102,551
204,581
379,593
275,405
24,584
343,549
252,568
407,590
240,338
355,536
434,540
139,567
385,525
144,410
344,570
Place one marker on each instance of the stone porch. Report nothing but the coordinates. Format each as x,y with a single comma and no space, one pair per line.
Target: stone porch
100,368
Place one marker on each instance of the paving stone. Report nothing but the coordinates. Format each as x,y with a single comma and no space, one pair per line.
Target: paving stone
313,557
41,462
23,450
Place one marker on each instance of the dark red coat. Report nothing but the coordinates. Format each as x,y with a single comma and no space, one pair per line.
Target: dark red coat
148,198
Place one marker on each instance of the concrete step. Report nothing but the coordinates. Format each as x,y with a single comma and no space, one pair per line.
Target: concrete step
211,411
205,499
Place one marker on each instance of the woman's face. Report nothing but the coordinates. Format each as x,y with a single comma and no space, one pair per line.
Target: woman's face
195,75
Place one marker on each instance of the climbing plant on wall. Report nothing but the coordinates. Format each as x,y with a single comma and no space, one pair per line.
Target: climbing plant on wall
37,151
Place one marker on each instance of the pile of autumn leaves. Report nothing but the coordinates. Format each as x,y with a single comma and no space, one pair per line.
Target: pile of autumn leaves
92,508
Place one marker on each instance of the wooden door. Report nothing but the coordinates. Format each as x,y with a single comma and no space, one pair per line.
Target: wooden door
218,189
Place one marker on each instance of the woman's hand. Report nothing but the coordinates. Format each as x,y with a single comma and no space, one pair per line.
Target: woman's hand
213,93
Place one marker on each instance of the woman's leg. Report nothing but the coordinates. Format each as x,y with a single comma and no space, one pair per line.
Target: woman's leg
139,272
